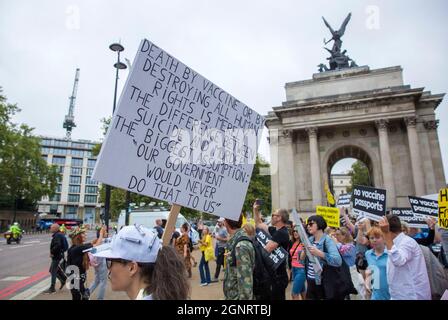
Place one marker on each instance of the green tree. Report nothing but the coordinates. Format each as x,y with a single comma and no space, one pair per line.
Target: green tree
359,175
259,187
25,176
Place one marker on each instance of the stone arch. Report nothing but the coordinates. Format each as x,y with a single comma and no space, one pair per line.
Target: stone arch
352,149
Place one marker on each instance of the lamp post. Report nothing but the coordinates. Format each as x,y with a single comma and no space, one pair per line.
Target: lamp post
116,47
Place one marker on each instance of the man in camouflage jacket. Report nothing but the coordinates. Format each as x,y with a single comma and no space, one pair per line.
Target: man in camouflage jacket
238,280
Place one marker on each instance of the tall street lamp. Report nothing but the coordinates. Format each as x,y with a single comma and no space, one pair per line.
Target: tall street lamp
116,47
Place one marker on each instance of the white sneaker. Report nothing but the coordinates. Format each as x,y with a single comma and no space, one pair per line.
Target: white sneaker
204,284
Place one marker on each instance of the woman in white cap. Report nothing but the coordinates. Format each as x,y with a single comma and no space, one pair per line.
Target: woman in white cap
140,266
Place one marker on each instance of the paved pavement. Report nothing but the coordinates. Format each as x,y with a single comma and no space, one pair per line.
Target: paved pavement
24,273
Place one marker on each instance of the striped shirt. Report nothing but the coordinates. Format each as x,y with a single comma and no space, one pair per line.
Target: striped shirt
310,270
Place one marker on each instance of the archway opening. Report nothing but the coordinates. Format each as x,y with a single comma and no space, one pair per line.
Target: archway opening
347,166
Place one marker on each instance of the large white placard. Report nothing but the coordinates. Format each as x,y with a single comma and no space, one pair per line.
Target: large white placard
178,137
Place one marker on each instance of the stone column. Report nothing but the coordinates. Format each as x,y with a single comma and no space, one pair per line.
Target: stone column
288,170
316,182
416,162
386,163
435,155
426,154
274,168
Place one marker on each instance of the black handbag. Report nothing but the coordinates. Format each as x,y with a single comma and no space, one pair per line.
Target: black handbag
337,281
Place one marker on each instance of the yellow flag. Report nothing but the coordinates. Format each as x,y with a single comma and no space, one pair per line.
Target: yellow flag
244,220
330,198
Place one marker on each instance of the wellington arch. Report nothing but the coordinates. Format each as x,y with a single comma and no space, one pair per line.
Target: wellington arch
370,115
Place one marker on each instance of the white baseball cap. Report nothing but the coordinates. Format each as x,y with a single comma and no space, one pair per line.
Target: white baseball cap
221,219
134,243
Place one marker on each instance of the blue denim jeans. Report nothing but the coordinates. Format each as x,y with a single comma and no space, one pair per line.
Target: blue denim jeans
204,270
100,279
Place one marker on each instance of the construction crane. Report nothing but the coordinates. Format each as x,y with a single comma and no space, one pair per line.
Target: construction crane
69,121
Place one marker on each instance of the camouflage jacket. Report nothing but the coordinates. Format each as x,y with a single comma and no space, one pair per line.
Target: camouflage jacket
238,281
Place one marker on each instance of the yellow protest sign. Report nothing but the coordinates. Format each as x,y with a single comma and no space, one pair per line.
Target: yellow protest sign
331,215
443,208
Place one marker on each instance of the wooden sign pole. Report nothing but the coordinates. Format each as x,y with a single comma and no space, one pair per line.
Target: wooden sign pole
170,224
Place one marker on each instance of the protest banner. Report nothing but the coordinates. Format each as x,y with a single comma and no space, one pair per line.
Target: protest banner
278,256
369,202
331,215
344,200
177,137
408,216
442,210
307,244
424,207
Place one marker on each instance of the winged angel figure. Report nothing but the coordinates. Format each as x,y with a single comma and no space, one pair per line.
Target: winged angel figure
337,34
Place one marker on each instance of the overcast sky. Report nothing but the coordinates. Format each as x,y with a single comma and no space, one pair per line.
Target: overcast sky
249,48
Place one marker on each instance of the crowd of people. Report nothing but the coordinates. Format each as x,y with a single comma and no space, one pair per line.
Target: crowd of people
360,260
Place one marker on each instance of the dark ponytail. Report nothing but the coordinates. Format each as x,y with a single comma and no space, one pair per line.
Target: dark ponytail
167,278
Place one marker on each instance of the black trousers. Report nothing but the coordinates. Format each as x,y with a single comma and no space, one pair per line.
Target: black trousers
57,271
81,293
313,291
219,261
278,288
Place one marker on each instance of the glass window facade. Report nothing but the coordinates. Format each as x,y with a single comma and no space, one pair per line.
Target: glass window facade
59,151
76,171
59,160
73,197
77,153
91,163
75,179
76,162
46,150
90,199
70,210
60,143
89,180
74,188
91,189
78,145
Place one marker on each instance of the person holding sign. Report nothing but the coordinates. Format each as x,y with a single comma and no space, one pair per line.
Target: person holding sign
139,266
280,238
416,234
327,252
406,269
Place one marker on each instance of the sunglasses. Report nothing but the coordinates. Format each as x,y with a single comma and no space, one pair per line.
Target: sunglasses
309,224
275,215
110,261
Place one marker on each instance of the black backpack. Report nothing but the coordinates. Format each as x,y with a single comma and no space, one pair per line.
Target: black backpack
264,271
